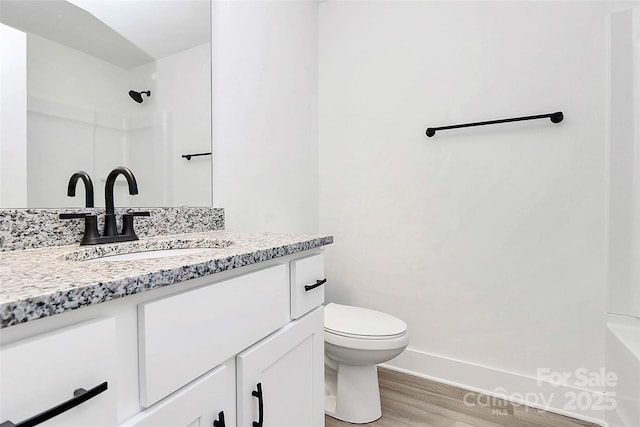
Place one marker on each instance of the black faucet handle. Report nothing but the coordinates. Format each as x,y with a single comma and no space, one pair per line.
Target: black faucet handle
91,235
75,215
127,223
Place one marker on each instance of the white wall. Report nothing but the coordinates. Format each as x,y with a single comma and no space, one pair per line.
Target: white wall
13,117
68,76
80,114
183,88
77,106
623,302
624,170
489,242
265,114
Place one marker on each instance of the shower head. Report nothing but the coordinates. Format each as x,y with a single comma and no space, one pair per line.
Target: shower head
137,96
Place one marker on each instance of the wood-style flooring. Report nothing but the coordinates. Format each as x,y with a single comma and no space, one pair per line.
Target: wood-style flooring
409,401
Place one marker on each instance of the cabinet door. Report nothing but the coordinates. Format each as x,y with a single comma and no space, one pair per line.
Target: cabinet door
44,371
186,335
207,399
288,366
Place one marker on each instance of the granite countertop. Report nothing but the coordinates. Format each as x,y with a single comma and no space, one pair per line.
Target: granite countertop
36,283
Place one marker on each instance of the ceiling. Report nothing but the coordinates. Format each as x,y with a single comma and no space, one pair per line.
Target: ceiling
127,33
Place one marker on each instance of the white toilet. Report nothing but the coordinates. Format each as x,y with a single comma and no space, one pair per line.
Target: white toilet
356,339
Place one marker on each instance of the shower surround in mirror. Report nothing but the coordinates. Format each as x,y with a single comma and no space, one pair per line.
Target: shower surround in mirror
148,138
80,116
36,228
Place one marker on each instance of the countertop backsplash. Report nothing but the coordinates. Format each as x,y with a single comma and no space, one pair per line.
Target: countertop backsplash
37,228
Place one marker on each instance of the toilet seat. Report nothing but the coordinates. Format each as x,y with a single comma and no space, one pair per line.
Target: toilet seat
363,337
361,328
361,323
366,344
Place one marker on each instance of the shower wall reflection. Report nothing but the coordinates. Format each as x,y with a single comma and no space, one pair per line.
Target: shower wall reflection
79,116
79,123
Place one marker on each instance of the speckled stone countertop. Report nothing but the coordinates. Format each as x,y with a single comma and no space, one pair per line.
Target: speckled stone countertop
36,283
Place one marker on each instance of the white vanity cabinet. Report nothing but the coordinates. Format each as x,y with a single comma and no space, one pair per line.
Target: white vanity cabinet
208,401
281,379
190,354
43,372
183,336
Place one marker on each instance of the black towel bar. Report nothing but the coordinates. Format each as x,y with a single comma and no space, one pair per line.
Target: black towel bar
555,118
189,156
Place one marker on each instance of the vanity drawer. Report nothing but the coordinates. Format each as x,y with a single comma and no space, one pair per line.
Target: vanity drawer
307,284
44,371
204,400
183,336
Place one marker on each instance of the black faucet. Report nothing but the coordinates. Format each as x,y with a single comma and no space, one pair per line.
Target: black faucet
110,228
90,220
110,235
88,187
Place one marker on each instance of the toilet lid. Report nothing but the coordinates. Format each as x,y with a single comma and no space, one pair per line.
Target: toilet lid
360,322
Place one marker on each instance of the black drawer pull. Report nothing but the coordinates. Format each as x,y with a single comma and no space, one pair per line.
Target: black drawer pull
79,396
220,421
309,287
258,394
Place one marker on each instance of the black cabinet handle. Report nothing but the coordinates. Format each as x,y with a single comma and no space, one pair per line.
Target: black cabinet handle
79,396
307,288
258,394
220,421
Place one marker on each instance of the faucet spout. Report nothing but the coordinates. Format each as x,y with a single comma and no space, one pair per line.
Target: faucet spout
110,228
111,180
88,187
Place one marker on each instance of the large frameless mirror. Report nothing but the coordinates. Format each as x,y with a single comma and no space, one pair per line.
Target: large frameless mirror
101,84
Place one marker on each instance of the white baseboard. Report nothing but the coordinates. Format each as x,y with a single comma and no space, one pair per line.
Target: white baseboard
506,385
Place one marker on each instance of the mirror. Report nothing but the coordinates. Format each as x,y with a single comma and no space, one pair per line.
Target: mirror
105,83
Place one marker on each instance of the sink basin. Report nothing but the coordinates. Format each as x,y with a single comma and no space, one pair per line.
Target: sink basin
141,250
162,253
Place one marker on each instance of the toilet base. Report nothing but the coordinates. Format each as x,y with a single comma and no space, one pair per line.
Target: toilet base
352,393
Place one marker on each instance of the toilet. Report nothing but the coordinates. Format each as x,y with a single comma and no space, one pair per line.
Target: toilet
357,339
